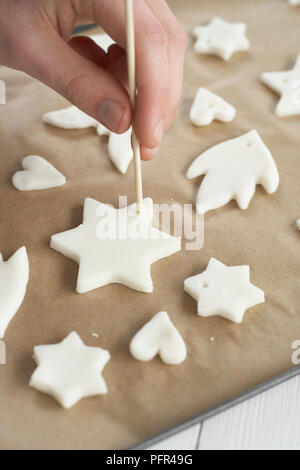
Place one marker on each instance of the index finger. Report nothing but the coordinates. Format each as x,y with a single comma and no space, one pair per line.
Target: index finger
151,60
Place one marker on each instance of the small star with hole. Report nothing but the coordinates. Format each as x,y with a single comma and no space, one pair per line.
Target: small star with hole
224,290
287,84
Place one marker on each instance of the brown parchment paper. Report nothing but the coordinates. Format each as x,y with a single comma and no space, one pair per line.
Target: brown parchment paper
145,399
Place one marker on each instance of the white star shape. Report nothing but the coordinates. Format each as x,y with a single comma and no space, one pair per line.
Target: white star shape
294,2
221,38
115,246
224,290
69,371
286,84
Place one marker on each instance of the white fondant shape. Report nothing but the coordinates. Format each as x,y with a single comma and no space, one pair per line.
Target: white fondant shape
208,106
120,150
14,277
159,336
294,2
102,40
298,224
119,145
70,118
286,84
224,290
69,371
232,170
122,256
221,38
37,174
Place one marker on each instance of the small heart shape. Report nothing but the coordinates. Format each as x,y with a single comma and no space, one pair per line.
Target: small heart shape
37,174
159,336
208,106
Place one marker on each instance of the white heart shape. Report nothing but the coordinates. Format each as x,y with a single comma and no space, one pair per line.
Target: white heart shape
159,336
37,174
208,106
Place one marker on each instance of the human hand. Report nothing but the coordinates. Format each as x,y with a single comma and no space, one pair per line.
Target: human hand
35,37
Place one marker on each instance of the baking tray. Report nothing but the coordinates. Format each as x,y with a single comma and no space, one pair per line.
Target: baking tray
265,237
220,409
229,404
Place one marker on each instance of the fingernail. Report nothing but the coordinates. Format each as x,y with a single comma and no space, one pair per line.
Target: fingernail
158,133
149,153
110,114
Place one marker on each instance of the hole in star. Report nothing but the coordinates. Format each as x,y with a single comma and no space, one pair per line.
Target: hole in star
205,284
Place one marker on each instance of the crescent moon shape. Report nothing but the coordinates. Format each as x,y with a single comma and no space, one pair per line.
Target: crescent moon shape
14,277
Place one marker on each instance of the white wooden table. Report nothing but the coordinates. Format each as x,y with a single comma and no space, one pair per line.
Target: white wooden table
270,421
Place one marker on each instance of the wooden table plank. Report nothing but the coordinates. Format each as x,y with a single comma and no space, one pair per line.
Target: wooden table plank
268,421
185,440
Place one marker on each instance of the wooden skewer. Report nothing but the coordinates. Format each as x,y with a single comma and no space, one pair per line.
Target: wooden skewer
132,92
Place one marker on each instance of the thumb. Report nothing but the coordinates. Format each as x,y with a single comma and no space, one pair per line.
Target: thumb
84,83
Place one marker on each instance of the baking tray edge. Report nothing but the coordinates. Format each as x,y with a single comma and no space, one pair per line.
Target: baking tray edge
219,409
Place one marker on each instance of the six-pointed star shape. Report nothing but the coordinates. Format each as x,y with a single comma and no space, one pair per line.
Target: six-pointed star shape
224,290
221,38
232,170
115,246
69,371
287,84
